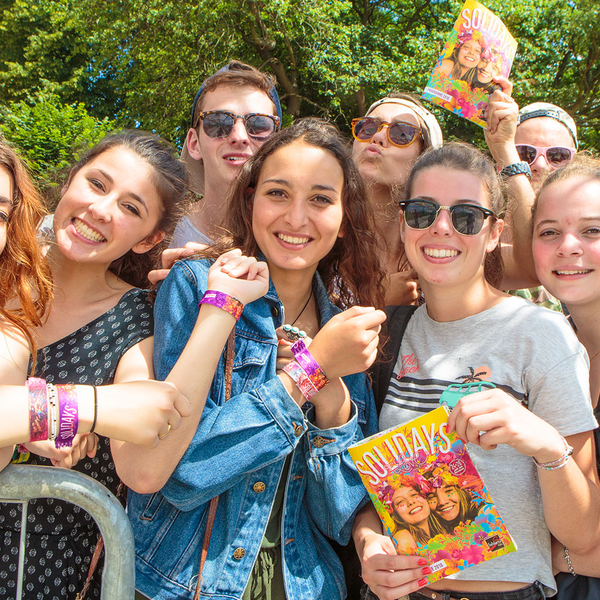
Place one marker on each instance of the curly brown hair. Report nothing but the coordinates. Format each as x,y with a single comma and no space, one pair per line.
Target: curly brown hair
25,273
351,272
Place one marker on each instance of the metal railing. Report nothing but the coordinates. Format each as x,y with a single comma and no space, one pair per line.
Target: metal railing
21,483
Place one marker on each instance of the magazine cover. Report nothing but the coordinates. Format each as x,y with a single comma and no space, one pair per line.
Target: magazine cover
430,497
479,47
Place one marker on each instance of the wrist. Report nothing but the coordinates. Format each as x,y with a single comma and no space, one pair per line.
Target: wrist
85,397
226,302
554,456
506,155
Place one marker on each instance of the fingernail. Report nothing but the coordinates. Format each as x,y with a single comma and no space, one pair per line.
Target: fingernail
426,571
422,562
422,582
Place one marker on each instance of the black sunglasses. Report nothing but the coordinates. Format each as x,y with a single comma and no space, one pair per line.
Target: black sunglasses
399,133
220,124
467,219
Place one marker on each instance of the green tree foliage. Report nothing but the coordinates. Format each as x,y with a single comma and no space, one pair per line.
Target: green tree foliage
140,62
51,137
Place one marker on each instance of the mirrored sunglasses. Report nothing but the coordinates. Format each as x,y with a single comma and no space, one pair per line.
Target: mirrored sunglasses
220,124
467,219
556,156
399,133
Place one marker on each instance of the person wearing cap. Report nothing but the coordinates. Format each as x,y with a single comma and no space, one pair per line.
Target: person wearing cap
526,145
387,140
546,138
234,112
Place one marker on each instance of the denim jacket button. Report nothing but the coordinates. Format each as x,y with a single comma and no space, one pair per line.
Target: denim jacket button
239,553
298,430
274,312
259,487
318,442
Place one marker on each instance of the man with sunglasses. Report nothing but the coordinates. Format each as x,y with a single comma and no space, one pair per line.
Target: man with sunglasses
546,139
234,112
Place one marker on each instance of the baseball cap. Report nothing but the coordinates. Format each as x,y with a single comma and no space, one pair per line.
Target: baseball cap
545,109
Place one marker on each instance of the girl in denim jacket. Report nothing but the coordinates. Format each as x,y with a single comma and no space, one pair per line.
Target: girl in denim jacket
279,465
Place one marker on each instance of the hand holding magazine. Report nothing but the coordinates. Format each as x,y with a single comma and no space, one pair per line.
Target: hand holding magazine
478,48
429,496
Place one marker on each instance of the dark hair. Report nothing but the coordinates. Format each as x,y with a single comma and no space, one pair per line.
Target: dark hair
463,157
25,272
351,272
170,179
471,74
237,74
582,165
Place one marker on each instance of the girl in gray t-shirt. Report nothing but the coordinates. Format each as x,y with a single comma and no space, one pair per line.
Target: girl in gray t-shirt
541,482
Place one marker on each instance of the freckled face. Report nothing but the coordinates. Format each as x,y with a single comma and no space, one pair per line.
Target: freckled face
566,240
6,194
444,502
410,506
469,54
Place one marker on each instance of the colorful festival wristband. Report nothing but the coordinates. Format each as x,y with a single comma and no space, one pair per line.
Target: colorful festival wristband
221,300
38,409
303,383
68,415
309,364
52,411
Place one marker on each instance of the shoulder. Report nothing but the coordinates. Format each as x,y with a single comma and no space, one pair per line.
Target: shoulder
14,354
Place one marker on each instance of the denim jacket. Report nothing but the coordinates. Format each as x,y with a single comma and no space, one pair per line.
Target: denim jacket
239,451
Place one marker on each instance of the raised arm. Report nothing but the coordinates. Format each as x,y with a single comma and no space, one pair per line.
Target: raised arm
502,116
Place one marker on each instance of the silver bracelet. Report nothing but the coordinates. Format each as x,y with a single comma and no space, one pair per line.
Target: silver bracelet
568,561
559,463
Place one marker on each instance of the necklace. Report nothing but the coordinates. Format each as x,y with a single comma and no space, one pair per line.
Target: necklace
293,333
593,357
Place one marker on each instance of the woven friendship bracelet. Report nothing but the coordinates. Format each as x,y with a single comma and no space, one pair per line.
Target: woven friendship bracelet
68,415
38,409
301,379
221,300
309,364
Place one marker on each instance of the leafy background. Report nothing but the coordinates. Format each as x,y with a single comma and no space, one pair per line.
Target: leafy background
71,70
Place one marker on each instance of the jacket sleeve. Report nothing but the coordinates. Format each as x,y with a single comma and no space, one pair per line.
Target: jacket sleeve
253,429
335,491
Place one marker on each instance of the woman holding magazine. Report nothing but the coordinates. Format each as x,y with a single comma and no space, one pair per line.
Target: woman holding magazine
531,436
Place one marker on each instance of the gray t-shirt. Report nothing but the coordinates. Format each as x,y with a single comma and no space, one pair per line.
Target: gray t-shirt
532,354
187,232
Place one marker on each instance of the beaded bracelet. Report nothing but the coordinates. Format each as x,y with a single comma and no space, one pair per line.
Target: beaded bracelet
301,379
309,364
568,561
68,410
559,463
38,409
222,300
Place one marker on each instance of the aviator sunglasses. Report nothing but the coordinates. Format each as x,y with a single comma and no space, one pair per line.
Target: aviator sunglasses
220,124
467,219
555,156
399,133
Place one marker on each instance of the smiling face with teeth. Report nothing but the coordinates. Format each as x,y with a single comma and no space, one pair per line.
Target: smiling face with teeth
110,206
409,506
297,208
439,254
566,239
445,502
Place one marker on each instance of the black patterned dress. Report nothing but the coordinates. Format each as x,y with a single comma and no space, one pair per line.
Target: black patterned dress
61,537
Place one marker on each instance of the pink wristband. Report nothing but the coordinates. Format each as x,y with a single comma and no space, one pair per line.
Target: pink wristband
68,419
38,409
309,364
221,300
303,383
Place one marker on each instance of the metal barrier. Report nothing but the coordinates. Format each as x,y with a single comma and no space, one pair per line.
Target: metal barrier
21,483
